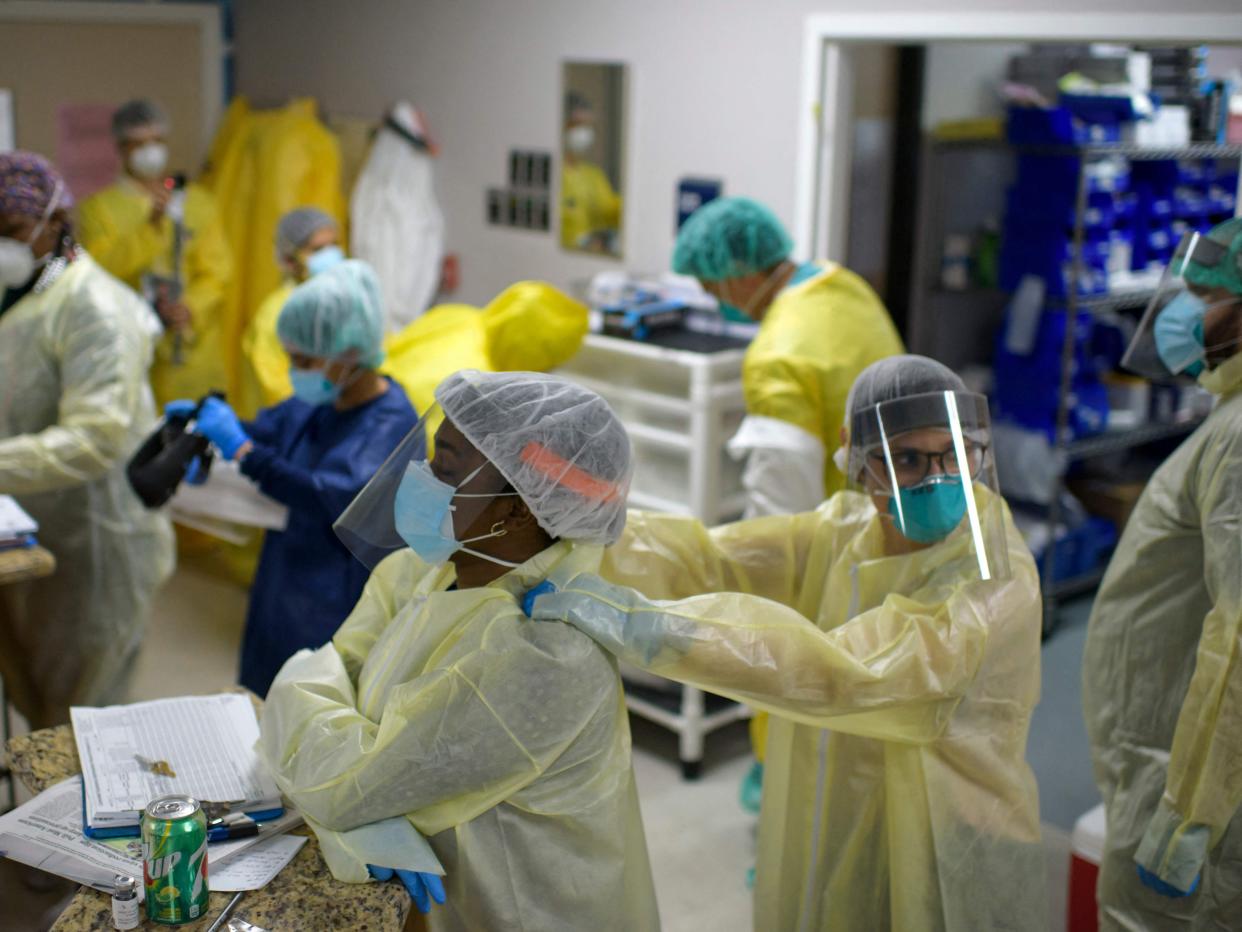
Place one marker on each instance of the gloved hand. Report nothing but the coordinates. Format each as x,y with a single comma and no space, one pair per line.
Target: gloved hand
1172,852
528,600
196,472
181,408
1155,883
622,620
423,888
218,423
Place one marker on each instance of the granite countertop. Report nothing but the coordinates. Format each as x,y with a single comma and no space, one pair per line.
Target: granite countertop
22,563
304,896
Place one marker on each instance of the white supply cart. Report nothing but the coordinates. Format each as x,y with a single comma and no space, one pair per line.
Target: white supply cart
680,397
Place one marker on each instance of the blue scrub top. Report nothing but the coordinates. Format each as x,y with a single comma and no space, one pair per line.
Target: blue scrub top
315,460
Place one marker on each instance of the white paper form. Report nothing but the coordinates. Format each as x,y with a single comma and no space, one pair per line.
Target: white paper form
46,833
256,868
208,741
14,522
228,496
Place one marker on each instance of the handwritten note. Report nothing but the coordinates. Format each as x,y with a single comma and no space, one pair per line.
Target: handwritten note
256,867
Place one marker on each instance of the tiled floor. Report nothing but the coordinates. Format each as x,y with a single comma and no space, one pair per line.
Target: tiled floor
700,840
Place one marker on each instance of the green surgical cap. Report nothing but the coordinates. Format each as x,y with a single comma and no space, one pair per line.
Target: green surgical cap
335,312
1227,273
728,238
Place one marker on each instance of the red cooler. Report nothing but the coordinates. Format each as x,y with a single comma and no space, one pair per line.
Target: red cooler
1086,852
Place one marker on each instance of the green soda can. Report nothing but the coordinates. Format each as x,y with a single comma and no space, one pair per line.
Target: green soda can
174,860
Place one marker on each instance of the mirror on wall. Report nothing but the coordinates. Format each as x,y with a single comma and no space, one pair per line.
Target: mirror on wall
592,157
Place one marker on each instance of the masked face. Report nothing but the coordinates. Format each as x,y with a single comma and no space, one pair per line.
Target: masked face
742,299
320,380
148,160
323,259
580,139
17,263
17,257
930,499
1178,333
313,386
428,510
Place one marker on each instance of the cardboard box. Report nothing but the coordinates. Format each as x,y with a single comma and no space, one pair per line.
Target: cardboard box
1108,498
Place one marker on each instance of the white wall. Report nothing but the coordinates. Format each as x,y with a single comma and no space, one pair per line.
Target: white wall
962,79
713,91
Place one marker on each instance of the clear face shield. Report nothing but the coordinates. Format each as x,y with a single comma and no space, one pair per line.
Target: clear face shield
434,506
927,463
1186,327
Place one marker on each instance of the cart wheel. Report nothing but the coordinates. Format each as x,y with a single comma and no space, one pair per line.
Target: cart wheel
691,769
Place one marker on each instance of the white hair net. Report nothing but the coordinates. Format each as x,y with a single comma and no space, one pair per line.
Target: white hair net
297,226
137,114
558,444
911,391
899,377
335,312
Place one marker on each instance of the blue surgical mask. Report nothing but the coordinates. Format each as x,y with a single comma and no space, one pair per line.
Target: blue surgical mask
1179,334
734,314
323,259
930,510
313,387
422,513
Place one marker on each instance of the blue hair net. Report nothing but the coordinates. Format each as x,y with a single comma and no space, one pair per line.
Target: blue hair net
728,238
335,312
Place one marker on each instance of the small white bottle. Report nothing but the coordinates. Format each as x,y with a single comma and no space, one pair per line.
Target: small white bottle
125,903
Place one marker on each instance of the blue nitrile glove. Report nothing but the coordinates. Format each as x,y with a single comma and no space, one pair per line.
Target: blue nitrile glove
1171,854
621,620
423,888
1155,883
195,474
528,600
182,408
218,423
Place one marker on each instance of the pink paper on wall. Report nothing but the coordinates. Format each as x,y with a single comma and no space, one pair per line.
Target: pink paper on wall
85,153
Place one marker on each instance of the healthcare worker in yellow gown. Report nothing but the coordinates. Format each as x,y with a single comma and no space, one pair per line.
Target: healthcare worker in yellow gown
263,164
308,241
74,405
894,636
590,205
131,228
439,706
820,325
1162,669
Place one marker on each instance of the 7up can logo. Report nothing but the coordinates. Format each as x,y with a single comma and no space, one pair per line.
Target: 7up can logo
174,860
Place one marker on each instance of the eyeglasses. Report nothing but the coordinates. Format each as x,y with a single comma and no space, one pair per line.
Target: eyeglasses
913,466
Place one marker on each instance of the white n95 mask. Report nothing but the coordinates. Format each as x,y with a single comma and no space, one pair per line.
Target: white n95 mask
579,139
17,259
17,263
149,160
